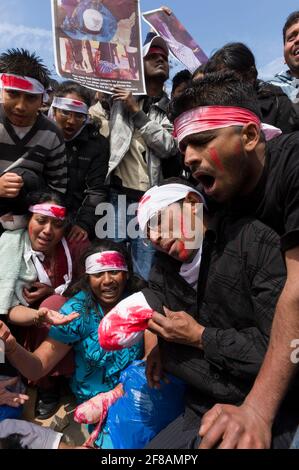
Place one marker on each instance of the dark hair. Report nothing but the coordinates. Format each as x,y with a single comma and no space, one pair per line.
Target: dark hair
39,197
291,19
200,69
235,57
216,89
13,441
134,282
184,76
72,87
22,62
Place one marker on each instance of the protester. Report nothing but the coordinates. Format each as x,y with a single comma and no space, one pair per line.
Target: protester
214,303
87,158
240,171
140,139
180,82
32,149
275,106
44,264
289,80
108,278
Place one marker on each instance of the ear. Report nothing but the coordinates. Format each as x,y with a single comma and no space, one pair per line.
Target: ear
250,135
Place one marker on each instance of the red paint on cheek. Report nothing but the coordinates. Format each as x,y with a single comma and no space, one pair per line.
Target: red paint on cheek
215,158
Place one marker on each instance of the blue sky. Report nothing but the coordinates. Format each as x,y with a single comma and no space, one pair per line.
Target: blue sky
257,23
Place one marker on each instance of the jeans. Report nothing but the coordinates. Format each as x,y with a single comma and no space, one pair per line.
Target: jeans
126,230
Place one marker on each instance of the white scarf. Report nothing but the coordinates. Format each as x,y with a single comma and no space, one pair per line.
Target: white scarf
37,259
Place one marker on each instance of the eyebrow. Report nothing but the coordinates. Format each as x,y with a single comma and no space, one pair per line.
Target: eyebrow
201,138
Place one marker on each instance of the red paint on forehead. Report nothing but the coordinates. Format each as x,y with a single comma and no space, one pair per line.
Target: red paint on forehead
16,82
77,103
116,260
58,212
215,158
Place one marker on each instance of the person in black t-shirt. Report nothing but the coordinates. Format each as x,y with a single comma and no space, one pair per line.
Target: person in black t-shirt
218,127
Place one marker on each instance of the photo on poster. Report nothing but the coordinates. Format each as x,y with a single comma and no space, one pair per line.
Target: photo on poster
180,42
98,43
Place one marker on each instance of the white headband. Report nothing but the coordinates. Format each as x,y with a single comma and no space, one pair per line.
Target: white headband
124,325
67,104
49,210
160,197
105,261
10,81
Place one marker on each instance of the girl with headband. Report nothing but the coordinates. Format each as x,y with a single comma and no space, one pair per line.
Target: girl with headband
87,157
108,279
37,262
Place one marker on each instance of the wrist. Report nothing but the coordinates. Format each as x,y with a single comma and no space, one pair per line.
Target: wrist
10,350
266,415
199,332
38,319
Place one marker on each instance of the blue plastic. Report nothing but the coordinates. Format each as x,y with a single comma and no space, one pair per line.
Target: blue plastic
143,412
8,412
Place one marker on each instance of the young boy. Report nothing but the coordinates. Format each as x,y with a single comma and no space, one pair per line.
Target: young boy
31,148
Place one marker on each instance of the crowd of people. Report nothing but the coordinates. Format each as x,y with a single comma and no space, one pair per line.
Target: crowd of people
199,196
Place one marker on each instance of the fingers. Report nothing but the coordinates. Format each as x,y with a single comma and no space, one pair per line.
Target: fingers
13,178
68,318
77,234
208,419
15,399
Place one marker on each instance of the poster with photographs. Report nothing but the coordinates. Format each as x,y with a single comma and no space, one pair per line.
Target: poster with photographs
98,43
179,41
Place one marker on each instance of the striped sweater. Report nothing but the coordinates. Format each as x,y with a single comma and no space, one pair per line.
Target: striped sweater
41,152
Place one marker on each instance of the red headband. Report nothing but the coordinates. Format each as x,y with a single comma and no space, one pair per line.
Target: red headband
205,118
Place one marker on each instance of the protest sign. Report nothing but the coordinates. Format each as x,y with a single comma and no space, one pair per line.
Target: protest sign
179,41
97,43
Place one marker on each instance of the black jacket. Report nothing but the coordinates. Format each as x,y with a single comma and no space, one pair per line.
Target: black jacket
276,107
87,160
241,276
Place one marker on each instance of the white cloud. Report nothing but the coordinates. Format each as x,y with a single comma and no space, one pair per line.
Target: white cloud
268,71
34,39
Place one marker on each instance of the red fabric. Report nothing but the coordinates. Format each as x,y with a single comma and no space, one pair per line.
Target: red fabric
204,118
17,82
124,325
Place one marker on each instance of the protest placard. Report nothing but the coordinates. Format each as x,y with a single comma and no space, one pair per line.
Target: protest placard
97,43
180,42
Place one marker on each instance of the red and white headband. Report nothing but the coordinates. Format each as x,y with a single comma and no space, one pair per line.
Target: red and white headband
49,210
68,104
160,197
105,261
10,81
206,118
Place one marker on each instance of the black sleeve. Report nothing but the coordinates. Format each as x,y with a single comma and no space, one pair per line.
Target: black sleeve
241,352
95,191
287,118
289,195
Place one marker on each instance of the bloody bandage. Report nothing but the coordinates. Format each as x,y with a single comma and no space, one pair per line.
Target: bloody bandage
105,261
49,210
23,84
124,325
67,104
206,118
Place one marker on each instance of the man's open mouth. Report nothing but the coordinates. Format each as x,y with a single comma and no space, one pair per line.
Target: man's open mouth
207,181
